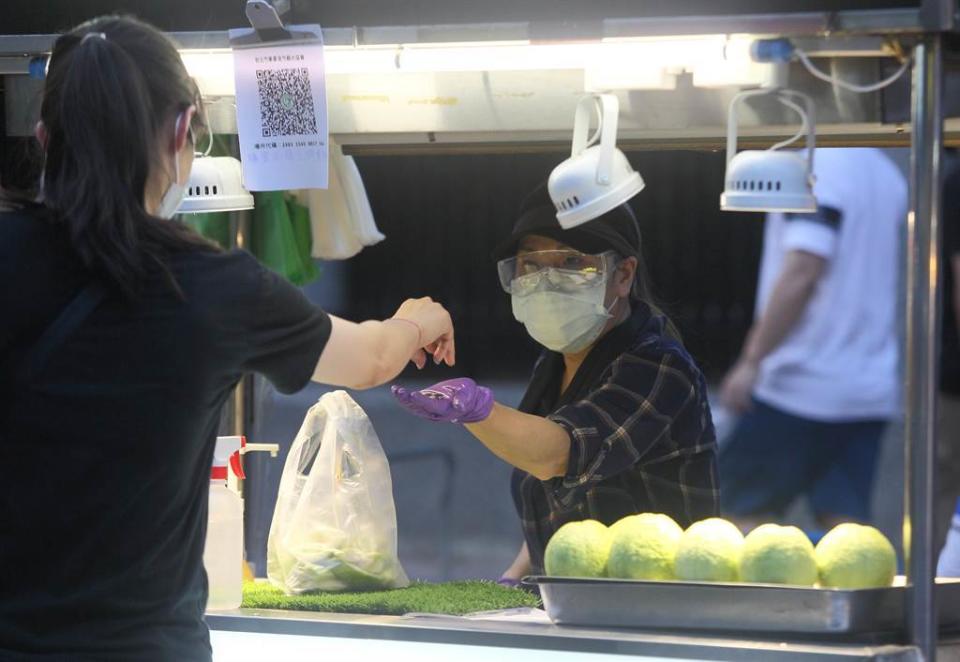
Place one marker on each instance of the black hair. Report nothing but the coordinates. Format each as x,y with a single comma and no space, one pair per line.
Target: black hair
112,85
641,290
21,162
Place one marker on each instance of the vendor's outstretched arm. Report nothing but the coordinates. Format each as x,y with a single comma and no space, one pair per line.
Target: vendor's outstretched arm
534,444
531,443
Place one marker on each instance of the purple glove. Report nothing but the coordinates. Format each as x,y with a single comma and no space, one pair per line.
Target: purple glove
509,583
455,400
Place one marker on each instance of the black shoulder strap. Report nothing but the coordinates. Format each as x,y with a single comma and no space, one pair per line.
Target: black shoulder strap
71,317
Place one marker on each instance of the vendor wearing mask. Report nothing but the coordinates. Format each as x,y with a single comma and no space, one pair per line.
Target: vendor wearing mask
615,420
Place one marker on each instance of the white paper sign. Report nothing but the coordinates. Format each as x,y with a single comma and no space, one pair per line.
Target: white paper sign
282,112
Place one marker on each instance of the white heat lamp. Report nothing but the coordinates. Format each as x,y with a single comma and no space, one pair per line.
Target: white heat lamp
771,179
596,178
215,184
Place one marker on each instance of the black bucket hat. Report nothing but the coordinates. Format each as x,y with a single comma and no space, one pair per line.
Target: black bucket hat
615,230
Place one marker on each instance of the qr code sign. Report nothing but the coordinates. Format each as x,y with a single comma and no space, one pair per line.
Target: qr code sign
286,102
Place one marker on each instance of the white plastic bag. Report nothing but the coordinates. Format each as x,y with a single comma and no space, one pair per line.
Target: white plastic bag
335,525
341,219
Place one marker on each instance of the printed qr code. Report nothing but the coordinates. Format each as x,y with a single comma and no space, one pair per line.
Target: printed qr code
286,102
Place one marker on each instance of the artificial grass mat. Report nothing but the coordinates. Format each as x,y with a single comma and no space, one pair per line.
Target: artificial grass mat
452,598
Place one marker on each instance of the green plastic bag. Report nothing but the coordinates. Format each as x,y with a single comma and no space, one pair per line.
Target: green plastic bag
276,240
303,234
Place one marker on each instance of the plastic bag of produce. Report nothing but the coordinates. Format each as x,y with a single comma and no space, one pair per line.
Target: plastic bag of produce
335,525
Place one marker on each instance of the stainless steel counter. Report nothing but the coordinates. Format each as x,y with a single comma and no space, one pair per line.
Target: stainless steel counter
508,636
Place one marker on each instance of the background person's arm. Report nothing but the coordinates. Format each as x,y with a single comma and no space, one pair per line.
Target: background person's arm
788,300
371,353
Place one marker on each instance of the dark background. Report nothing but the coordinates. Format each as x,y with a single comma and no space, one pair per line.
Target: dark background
443,215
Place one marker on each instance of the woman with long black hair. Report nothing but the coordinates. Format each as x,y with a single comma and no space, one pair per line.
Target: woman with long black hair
122,335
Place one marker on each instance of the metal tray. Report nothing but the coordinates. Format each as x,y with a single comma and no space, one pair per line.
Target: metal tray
735,607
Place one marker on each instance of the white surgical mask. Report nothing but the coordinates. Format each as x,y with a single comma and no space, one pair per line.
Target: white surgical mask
171,200
565,322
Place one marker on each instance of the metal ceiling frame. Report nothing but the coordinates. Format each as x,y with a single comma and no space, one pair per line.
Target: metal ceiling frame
931,15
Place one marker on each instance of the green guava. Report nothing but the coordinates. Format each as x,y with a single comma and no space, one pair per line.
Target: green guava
578,549
710,551
644,547
856,556
775,554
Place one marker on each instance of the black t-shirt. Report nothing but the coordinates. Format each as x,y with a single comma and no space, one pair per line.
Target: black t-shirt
106,454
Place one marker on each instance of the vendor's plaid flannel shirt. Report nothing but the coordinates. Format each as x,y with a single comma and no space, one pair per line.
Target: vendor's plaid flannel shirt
641,441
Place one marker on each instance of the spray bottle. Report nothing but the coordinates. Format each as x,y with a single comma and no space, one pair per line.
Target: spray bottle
223,553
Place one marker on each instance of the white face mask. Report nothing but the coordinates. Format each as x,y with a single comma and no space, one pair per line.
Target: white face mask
171,200
565,322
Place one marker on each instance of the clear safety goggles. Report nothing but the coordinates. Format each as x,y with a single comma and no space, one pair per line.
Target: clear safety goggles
564,271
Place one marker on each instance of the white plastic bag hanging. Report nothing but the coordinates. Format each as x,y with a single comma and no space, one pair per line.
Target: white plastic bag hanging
341,219
335,525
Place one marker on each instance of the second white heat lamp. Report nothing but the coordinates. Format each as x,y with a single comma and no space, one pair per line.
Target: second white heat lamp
597,177
216,184
772,179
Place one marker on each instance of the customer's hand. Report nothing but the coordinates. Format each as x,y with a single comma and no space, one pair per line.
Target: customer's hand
736,391
458,400
436,330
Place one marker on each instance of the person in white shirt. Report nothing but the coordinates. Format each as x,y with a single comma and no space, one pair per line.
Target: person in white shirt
948,565
817,381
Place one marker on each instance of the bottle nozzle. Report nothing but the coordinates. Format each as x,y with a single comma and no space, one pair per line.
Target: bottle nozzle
235,465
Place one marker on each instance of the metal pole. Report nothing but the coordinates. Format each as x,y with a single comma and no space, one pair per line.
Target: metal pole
922,340
243,394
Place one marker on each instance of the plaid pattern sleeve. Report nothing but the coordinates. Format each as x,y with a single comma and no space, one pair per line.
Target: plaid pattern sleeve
649,411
